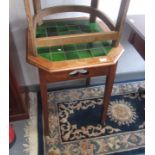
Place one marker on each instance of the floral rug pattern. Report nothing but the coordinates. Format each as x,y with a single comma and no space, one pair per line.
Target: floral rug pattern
101,140
68,139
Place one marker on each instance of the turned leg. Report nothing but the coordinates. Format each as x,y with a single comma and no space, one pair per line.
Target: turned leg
43,90
108,89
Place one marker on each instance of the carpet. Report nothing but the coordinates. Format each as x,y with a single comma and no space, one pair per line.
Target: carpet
74,121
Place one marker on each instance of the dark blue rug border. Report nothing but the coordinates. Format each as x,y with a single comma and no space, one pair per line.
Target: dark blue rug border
140,151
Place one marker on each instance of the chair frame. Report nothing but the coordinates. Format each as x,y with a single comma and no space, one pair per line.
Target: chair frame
114,33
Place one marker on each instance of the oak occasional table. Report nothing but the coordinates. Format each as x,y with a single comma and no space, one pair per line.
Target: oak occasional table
76,48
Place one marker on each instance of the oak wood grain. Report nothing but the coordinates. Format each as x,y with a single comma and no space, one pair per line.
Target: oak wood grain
76,38
73,8
30,26
121,19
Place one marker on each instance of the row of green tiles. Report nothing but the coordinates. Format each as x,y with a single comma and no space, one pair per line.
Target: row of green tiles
91,26
75,47
57,33
66,22
60,56
43,31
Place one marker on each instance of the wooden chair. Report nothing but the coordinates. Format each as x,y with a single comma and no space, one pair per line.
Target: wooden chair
51,70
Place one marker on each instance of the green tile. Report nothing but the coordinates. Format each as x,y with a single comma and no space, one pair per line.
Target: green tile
71,55
40,35
98,52
84,50
94,27
45,55
97,44
50,24
85,28
60,23
84,54
69,48
64,33
81,46
106,43
62,28
74,28
51,29
108,48
40,30
56,49
58,56
43,49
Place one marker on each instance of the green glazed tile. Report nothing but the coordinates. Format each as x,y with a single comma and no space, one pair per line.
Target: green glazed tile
69,48
106,43
41,30
39,35
84,50
64,33
71,55
50,24
81,46
107,49
95,45
94,27
51,29
43,49
74,28
56,49
59,56
62,28
45,55
98,52
84,54
60,23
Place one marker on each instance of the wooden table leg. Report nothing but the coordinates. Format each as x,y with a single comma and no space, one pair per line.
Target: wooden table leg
43,90
108,89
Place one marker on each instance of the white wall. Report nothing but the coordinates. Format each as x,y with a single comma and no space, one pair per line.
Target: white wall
18,24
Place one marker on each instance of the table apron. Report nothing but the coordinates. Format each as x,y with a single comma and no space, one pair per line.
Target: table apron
65,75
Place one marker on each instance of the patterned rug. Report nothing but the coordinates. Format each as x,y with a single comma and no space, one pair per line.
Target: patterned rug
74,120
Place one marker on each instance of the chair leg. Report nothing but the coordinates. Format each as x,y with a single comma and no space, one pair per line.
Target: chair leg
43,90
108,90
